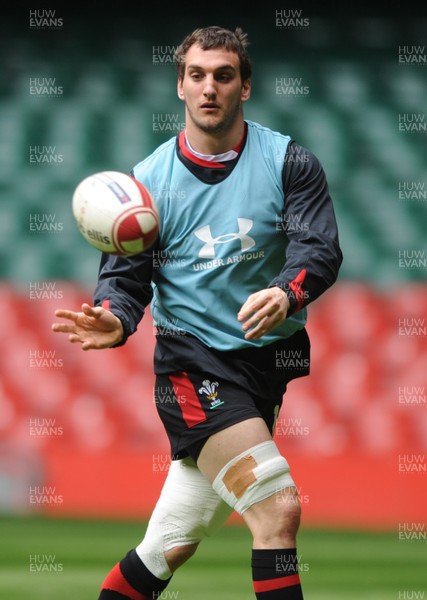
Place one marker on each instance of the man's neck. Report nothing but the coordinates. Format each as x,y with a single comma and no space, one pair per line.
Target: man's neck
219,157
214,143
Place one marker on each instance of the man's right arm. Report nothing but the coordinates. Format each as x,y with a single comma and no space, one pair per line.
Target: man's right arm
124,288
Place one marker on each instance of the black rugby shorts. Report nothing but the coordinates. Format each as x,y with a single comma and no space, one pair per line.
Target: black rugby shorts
200,391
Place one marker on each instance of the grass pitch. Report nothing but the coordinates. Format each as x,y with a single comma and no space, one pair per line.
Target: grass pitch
47,559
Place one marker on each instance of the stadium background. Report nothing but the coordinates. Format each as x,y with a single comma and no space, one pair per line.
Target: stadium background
80,438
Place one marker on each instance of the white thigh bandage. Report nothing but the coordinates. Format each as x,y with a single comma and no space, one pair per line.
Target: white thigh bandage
253,476
188,510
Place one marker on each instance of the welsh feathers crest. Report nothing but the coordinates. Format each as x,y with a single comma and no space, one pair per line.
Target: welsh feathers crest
209,388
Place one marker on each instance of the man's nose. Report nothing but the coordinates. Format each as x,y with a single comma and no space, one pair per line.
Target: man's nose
210,87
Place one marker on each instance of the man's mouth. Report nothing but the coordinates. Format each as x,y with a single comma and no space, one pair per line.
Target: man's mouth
209,106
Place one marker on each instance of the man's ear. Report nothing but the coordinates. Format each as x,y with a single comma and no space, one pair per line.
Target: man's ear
179,89
246,90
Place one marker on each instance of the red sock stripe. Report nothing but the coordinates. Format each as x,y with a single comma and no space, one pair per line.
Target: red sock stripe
267,585
116,582
188,400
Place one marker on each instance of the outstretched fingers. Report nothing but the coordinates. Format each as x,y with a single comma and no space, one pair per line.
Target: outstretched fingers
63,328
66,314
87,343
93,327
92,311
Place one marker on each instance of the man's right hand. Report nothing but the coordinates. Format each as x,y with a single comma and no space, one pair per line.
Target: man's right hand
94,328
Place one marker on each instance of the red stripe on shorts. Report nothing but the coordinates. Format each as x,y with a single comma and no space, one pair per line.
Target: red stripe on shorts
276,584
188,400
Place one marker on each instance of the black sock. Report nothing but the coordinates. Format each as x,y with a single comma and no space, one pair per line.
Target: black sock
275,574
130,579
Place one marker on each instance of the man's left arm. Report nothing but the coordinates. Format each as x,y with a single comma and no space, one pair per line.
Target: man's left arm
313,253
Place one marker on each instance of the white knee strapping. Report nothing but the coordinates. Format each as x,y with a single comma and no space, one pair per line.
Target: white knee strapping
188,510
253,476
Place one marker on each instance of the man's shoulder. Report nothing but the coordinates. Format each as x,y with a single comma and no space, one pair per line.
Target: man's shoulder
271,144
263,130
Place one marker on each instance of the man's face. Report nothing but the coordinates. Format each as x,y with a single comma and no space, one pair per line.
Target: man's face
212,88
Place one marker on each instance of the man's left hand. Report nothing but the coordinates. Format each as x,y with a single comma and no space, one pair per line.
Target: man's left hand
263,311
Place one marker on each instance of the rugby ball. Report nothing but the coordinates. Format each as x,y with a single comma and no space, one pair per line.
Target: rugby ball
116,213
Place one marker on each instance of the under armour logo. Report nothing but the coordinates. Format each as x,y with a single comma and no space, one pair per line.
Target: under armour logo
205,234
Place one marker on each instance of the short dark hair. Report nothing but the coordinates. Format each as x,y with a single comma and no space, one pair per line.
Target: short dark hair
209,38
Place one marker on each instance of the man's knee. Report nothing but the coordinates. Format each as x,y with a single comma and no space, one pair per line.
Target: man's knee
258,485
280,513
274,522
288,506
252,476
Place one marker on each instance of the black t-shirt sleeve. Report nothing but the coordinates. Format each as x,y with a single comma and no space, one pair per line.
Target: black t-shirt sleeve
313,253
